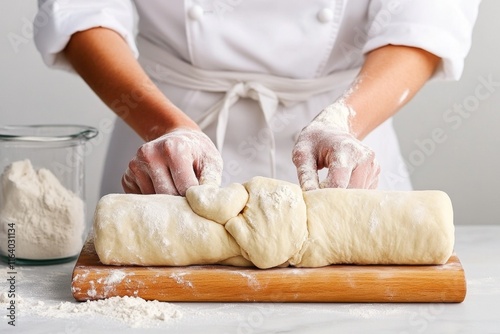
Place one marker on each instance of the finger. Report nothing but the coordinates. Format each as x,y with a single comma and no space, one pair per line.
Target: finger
375,177
360,178
162,180
370,171
307,173
373,184
211,171
307,168
183,175
128,184
362,175
337,177
136,174
308,177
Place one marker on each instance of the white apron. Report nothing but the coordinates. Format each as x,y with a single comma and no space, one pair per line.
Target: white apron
245,89
285,39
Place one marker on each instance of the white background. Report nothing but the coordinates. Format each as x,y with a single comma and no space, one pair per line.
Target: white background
463,163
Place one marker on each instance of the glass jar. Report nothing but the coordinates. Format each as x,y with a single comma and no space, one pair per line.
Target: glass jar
42,192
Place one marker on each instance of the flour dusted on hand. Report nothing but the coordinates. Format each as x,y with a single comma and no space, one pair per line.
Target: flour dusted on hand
329,142
336,116
48,218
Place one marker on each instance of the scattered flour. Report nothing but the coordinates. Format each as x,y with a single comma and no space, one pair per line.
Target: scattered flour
278,197
115,277
48,218
180,279
374,311
133,311
252,281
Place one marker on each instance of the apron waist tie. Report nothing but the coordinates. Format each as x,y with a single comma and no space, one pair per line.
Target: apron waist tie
268,90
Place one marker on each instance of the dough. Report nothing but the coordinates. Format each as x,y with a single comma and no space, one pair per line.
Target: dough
157,230
377,227
217,204
278,225
271,228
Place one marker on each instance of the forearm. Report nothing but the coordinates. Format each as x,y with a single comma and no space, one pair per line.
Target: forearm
390,77
105,62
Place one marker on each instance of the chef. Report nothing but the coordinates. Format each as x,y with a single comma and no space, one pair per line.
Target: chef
221,91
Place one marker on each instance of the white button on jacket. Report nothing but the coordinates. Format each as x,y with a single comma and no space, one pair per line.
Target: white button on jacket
266,44
195,12
325,15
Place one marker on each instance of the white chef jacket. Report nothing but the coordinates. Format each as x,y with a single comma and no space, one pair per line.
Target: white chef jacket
282,39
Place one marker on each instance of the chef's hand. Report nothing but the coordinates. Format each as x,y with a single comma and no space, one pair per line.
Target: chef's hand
328,143
172,163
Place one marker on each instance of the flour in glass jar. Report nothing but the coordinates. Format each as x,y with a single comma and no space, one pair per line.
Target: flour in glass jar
48,218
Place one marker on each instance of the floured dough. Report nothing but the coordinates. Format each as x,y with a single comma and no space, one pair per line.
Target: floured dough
269,223
377,227
157,230
217,204
271,228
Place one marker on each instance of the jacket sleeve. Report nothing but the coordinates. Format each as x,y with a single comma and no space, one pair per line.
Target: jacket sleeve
57,20
442,27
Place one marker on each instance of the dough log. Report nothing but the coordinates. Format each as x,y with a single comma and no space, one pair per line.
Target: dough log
268,223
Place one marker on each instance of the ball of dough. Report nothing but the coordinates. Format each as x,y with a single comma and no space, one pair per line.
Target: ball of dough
272,227
217,204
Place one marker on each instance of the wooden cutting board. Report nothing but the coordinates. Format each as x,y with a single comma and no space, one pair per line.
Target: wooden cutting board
337,283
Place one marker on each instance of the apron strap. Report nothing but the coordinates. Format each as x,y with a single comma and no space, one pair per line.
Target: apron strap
268,102
270,91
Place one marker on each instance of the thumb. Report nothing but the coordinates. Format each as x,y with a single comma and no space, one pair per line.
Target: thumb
211,171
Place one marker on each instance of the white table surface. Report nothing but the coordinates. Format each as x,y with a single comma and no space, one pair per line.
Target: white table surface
478,247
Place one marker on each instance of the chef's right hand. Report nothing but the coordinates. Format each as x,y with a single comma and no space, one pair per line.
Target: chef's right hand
172,163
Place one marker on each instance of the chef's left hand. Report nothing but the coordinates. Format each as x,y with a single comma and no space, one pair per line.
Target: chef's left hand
327,143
